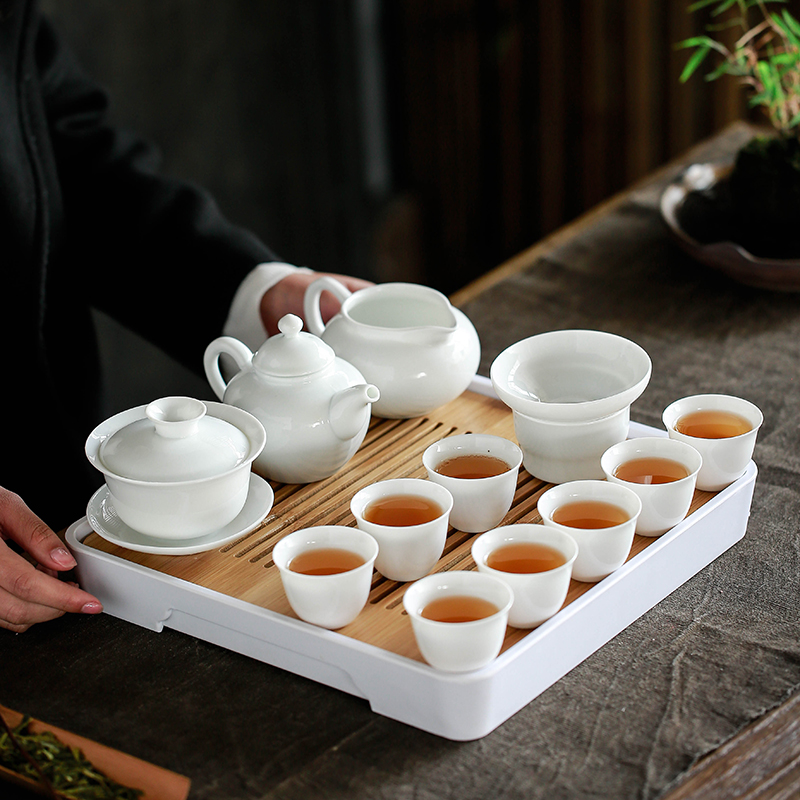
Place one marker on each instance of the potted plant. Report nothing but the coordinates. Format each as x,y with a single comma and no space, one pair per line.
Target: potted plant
754,205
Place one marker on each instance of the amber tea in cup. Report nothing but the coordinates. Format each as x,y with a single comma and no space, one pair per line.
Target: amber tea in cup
401,510
712,424
524,557
590,514
325,561
651,470
459,608
473,465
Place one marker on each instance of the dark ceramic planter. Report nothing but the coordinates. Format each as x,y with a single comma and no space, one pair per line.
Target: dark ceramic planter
701,213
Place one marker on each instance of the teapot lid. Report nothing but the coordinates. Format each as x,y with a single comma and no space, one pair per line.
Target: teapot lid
292,353
175,441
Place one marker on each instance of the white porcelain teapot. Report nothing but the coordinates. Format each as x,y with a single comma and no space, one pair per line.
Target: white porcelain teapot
405,338
314,406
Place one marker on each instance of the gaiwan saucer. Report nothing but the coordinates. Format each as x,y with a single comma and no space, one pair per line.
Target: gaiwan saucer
103,518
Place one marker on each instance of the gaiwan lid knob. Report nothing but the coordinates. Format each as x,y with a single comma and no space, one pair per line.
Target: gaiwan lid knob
292,352
175,441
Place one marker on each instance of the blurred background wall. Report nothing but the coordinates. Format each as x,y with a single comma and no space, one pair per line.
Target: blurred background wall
422,140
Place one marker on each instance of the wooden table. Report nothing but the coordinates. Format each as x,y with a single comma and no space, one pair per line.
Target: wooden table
696,698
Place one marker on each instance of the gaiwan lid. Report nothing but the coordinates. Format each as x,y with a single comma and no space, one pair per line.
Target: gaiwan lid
175,441
292,352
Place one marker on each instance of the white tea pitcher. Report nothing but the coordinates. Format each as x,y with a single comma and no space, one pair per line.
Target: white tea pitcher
407,339
314,406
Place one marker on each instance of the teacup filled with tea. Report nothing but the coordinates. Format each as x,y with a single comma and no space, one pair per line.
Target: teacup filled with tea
408,517
480,471
600,516
459,618
722,428
662,472
326,572
536,561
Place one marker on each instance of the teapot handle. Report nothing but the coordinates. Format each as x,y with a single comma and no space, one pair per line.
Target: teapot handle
237,350
311,301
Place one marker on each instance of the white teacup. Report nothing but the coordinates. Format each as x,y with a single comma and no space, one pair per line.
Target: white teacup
479,503
406,552
664,505
571,393
724,459
601,549
459,646
537,595
330,601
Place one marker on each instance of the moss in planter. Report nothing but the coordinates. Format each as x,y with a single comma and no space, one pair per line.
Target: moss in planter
765,195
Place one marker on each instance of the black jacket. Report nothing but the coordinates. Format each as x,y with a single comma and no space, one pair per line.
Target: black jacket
86,220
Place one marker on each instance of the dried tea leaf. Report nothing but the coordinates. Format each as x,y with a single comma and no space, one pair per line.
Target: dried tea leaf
64,770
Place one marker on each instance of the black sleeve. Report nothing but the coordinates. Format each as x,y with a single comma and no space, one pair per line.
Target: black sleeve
156,253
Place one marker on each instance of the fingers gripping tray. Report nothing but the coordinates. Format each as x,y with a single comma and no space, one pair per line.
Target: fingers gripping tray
232,595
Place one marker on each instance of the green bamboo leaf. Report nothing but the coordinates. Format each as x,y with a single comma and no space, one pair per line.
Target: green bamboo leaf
791,22
762,68
762,98
700,4
723,7
697,41
724,26
693,63
785,29
722,69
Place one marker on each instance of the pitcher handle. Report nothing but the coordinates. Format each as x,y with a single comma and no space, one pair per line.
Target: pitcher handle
311,301
237,350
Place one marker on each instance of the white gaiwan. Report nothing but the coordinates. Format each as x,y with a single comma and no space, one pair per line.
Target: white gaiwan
177,468
315,406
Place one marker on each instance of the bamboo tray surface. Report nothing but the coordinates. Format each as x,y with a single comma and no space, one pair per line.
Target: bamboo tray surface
392,449
233,596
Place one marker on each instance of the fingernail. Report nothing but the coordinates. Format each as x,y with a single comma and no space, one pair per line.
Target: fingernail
92,607
63,558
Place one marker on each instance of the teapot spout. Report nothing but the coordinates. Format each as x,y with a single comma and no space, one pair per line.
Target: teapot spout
350,409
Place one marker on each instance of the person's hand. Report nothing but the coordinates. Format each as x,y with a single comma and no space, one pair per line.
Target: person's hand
32,592
286,297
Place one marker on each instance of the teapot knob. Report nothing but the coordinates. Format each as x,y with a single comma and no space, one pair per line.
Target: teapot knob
290,325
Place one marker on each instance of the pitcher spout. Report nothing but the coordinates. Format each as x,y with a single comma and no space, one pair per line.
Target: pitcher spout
350,410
